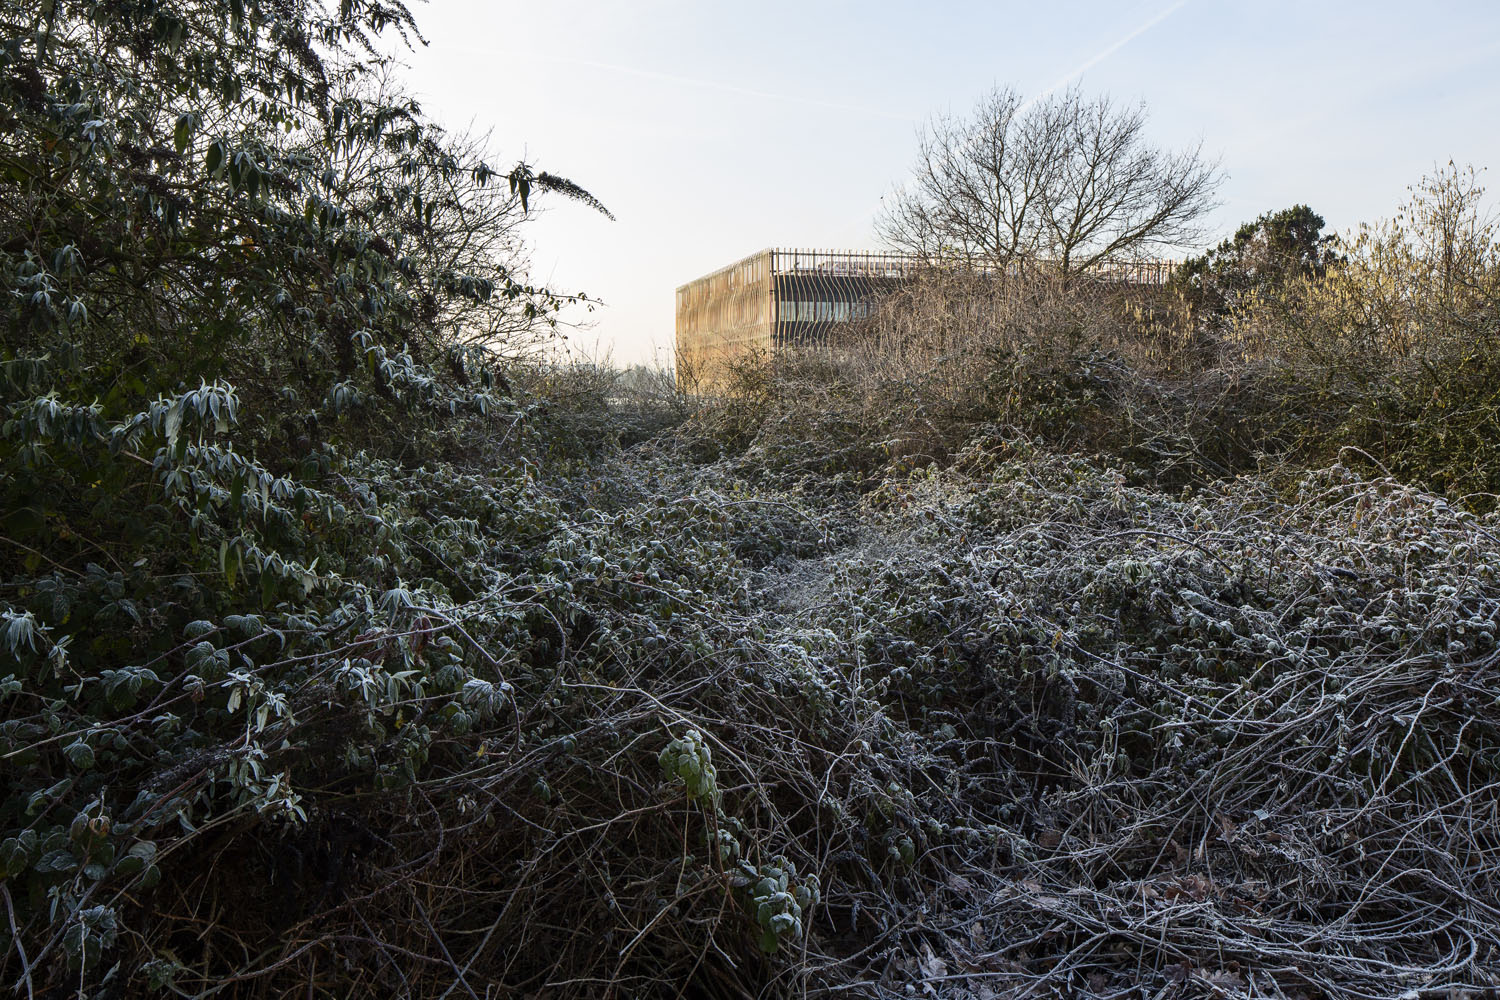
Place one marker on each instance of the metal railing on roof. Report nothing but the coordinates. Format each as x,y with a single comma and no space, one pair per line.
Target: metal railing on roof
879,264
853,263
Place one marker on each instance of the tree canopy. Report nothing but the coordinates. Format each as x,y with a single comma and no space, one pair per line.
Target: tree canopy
1065,180
1270,250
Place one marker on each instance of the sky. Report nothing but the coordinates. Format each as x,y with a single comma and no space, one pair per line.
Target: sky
712,130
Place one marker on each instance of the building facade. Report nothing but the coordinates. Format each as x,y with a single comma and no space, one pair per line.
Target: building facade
780,298
775,299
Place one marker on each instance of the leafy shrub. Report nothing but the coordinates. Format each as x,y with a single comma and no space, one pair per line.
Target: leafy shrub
1262,255
1391,348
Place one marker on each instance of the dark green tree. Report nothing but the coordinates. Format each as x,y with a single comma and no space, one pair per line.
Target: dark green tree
1261,254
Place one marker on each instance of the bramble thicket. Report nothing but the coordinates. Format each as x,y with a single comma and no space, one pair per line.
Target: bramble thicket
1043,640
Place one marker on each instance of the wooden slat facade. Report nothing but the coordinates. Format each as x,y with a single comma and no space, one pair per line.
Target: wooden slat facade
781,298
725,315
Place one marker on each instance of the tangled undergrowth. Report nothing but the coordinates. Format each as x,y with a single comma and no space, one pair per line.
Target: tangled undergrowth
346,649
1009,728
1237,744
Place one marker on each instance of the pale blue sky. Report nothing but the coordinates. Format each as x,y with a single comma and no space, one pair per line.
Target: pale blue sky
714,129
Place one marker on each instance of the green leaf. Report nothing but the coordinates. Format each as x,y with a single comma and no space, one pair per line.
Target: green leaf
14,857
80,755
172,426
129,865
183,133
57,861
136,859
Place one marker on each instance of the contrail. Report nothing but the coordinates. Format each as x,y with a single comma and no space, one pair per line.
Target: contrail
727,88
1109,50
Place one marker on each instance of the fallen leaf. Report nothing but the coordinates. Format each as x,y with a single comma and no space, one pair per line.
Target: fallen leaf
930,965
976,935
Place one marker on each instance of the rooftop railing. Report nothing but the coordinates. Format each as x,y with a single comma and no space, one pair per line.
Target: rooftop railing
877,264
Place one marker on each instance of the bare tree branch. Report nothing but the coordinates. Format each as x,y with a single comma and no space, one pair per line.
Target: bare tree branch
1065,181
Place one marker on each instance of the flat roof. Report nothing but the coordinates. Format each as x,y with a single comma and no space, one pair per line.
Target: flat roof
804,260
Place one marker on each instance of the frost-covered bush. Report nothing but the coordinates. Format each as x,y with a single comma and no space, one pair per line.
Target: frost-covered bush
1237,731
1243,729
340,654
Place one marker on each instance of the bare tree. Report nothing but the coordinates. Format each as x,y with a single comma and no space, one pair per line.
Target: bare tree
1065,181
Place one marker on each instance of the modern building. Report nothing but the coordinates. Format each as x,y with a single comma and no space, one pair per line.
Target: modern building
776,299
781,298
